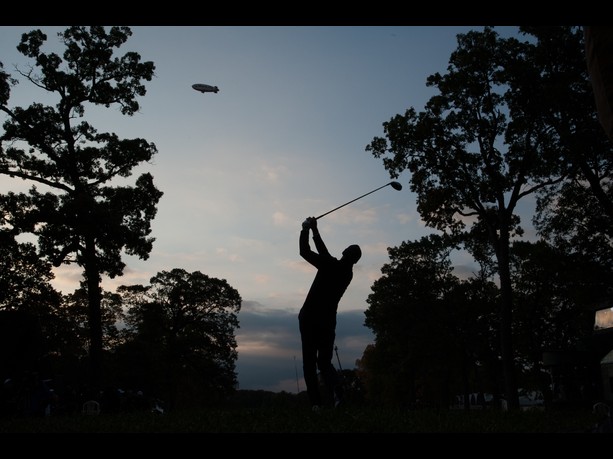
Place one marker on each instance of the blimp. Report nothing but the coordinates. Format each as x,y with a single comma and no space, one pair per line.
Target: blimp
205,88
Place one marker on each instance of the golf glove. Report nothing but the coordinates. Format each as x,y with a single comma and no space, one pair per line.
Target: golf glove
306,224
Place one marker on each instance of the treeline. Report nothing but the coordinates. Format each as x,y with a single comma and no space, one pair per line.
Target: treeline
170,343
514,121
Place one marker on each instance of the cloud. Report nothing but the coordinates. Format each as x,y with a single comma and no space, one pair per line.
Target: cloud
269,349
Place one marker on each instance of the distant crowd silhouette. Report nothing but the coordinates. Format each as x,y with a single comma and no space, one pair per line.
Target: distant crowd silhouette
33,396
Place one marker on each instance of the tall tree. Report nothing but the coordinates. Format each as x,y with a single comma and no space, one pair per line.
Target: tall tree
189,321
577,214
555,294
404,312
477,150
85,218
429,326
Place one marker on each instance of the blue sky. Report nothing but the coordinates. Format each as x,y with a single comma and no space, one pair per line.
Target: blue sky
283,139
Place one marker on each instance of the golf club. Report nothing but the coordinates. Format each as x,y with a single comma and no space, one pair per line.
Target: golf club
395,185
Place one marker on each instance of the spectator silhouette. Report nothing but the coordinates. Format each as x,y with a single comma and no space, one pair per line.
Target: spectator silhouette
602,411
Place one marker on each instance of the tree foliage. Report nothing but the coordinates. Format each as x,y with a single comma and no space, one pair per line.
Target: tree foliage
185,322
24,277
435,340
493,135
428,325
577,214
556,293
75,208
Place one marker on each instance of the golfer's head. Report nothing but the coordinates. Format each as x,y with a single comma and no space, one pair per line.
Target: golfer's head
352,253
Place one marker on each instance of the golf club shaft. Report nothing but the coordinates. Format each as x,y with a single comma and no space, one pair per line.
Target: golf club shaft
359,197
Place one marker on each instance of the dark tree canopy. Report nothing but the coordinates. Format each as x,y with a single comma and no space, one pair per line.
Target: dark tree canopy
73,159
24,277
189,321
75,208
430,327
512,118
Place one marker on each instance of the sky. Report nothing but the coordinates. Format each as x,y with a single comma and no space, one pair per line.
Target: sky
284,139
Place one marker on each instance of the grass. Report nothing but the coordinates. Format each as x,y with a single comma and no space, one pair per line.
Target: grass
301,420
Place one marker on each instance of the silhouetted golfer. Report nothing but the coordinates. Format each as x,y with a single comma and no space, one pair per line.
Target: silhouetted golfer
317,318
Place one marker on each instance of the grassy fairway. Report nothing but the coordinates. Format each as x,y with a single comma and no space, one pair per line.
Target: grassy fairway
301,420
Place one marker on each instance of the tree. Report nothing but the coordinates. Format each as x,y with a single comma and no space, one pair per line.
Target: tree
85,218
576,214
29,304
408,313
185,323
555,294
482,144
24,277
434,333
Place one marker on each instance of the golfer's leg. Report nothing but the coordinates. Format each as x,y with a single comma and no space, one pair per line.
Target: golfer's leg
324,361
309,364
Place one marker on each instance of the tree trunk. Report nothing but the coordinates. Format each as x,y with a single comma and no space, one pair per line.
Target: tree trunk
506,322
94,294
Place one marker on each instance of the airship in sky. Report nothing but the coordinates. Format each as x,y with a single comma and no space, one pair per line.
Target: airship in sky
205,88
